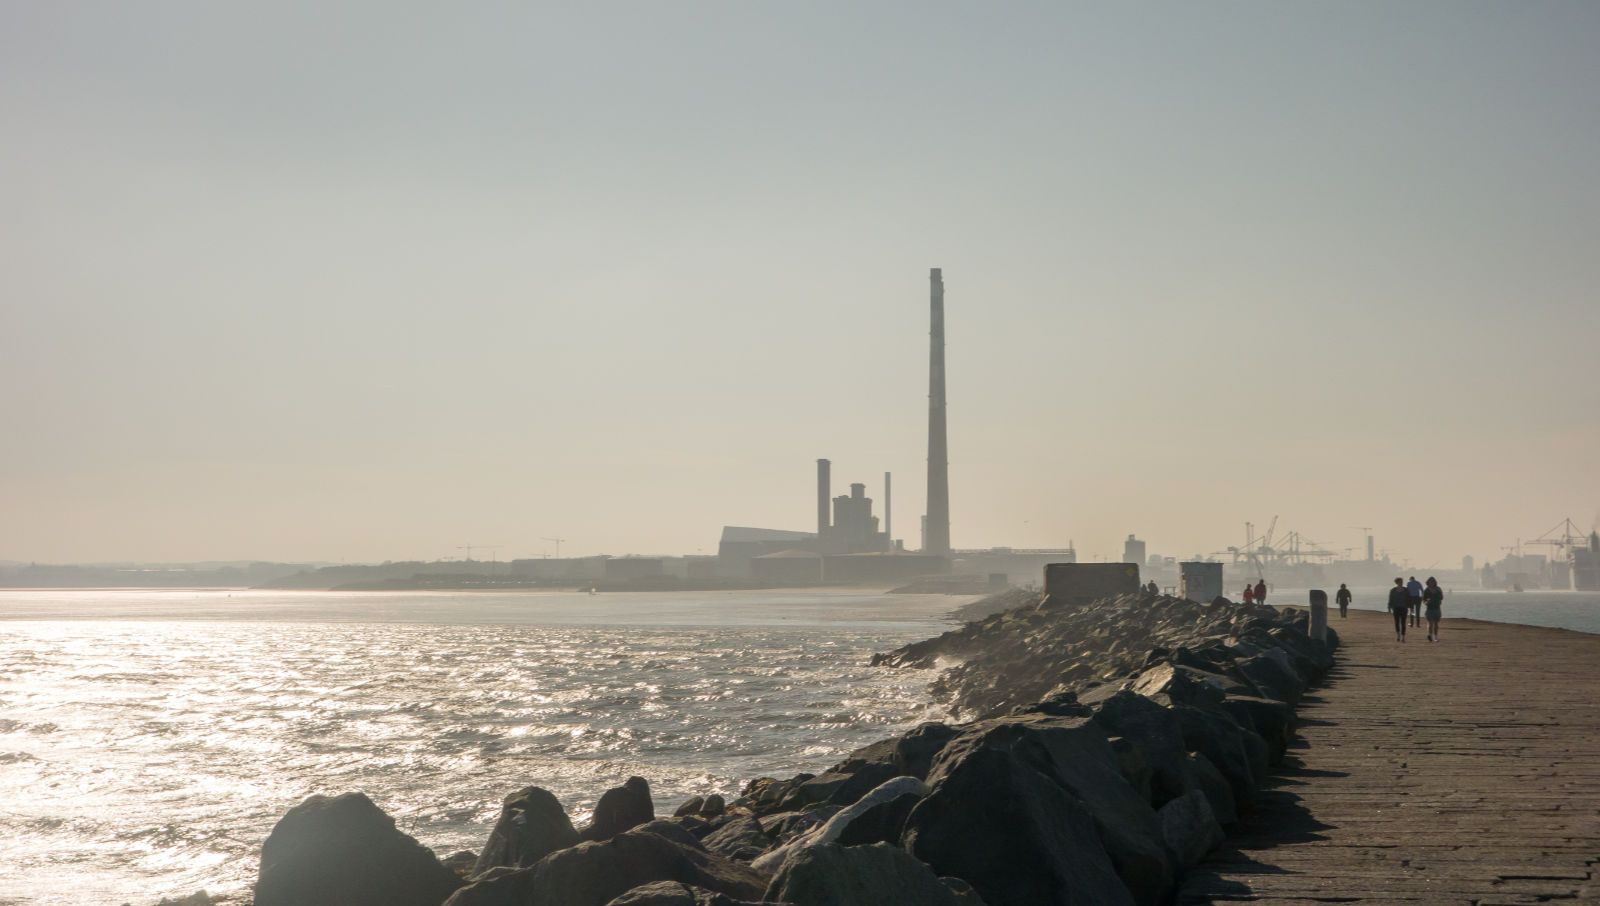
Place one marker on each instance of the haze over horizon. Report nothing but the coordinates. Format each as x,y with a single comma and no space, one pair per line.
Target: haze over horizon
373,281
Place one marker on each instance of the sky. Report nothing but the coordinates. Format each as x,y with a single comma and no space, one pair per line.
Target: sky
373,281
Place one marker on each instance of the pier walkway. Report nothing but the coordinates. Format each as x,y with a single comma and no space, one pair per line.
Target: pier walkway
1462,772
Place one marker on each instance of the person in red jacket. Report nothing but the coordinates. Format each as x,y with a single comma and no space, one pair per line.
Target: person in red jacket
1261,591
1249,594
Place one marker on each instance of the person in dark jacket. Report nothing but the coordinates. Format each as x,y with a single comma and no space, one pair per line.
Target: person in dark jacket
1433,601
1261,591
1400,606
1343,600
1414,590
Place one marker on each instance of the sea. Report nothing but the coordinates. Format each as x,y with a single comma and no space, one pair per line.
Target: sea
149,740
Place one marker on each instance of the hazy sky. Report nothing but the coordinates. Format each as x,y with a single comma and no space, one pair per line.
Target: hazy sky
366,281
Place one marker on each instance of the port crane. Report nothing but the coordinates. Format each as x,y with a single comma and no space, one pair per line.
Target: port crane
1569,540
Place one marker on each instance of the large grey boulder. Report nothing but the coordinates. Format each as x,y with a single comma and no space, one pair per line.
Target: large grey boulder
764,795
594,873
1272,720
876,875
344,851
842,821
1156,731
740,838
1076,754
882,822
1189,829
673,829
532,825
1188,685
1273,675
1134,766
1217,790
911,753
785,826
1013,833
1221,740
620,808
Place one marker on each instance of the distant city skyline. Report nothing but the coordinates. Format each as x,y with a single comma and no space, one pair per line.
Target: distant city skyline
374,281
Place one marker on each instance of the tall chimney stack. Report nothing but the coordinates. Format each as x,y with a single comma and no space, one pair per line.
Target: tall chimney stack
888,511
937,538
824,498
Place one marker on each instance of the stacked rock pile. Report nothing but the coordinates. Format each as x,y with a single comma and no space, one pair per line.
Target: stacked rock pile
1027,653
1115,742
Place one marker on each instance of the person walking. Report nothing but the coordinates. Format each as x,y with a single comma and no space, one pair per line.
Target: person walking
1343,600
1414,593
1261,591
1249,594
1433,599
1400,606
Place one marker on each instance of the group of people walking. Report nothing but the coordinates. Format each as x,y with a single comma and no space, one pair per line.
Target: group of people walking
1408,600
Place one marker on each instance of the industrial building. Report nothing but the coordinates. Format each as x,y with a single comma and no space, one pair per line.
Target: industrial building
851,528
1586,565
741,544
850,544
847,528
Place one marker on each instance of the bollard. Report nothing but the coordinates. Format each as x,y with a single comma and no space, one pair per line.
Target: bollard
1319,614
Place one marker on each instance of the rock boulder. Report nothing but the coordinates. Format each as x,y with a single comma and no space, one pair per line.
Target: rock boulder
876,875
344,851
532,825
620,808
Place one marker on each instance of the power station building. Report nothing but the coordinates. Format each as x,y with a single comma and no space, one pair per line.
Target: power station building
851,529
850,544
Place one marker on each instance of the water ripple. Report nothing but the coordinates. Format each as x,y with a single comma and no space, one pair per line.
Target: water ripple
148,758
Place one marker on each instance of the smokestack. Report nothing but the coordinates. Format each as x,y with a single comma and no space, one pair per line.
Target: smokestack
888,511
824,495
937,537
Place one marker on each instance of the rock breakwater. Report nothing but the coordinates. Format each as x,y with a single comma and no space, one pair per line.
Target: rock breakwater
1111,744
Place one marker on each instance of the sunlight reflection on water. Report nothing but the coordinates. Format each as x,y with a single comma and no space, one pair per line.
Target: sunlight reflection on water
147,751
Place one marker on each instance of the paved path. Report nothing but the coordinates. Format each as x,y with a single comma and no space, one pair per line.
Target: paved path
1462,772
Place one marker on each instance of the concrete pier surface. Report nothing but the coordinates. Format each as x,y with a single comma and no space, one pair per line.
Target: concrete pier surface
1460,772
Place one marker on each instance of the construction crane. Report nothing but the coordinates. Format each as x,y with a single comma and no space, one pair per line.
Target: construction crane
558,545
1570,539
469,548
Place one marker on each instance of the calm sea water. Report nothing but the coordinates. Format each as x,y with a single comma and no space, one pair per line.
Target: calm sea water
149,740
